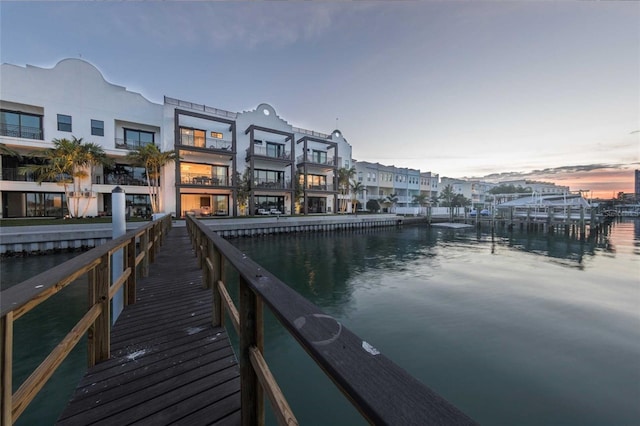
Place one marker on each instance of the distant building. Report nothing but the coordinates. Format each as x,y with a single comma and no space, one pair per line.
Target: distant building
475,190
544,188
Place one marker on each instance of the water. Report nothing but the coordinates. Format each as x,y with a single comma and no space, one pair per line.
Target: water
521,329
515,329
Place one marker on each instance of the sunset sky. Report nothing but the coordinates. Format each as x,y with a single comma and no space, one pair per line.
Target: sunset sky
536,89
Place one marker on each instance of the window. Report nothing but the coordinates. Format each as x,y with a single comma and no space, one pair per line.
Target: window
20,125
137,138
319,157
216,135
64,123
275,150
97,128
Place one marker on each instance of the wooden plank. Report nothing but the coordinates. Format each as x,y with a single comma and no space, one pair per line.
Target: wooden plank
30,387
282,410
167,361
6,362
229,306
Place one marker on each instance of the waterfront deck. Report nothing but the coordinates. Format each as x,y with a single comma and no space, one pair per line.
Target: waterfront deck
168,363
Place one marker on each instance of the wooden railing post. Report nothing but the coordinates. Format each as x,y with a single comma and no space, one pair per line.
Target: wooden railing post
6,365
130,262
251,395
144,248
218,275
154,246
99,334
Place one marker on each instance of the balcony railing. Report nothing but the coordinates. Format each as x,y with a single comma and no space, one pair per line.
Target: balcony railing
17,131
271,184
209,143
129,144
14,174
197,179
331,161
264,152
325,187
121,180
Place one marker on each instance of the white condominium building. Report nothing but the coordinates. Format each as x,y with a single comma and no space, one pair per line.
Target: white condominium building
230,163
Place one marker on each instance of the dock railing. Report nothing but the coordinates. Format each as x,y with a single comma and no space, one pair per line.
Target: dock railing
383,392
96,321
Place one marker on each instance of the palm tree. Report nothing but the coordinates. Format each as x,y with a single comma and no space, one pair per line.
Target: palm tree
298,190
244,189
344,178
69,163
447,195
5,150
393,200
153,160
420,199
356,189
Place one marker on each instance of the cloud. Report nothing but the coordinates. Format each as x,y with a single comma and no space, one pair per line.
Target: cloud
220,25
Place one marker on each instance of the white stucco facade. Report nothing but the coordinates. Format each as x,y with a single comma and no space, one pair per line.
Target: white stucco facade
290,169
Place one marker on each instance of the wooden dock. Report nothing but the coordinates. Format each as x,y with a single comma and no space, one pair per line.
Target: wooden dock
168,363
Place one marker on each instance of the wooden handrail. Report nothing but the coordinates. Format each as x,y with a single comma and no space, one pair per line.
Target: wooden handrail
21,298
383,392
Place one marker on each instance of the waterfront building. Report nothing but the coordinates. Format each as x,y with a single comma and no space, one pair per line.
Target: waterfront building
476,191
72,99
544,188
231,163
429,184
384,183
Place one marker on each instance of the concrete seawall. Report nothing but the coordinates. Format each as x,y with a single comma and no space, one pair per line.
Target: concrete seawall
24,240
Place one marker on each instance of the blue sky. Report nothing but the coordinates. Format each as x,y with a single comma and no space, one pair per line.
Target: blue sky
458,88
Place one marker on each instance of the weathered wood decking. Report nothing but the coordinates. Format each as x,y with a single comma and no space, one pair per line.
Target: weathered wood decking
168,364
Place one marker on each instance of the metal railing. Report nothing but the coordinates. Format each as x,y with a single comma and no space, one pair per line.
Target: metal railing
325,187
199,179
381,391
264,152
129,144
17,131
200,107
271,184
331,161
204,142
96,323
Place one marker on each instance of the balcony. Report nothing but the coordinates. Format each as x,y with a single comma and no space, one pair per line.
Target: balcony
17,131
271,184
14,174
208,143
201,180
113,179
323,187
331,161
129,144
269,153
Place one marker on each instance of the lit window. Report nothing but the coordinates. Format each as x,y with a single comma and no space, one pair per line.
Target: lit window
216,135
64,123
97,128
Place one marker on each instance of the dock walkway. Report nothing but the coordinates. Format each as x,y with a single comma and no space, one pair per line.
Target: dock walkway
168,363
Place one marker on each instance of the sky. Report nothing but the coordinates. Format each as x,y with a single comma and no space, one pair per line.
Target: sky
544,90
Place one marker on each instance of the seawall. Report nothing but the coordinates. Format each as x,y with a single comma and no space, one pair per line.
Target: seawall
25,240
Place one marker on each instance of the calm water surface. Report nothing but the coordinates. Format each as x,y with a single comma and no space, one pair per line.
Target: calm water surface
518,329
513,329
